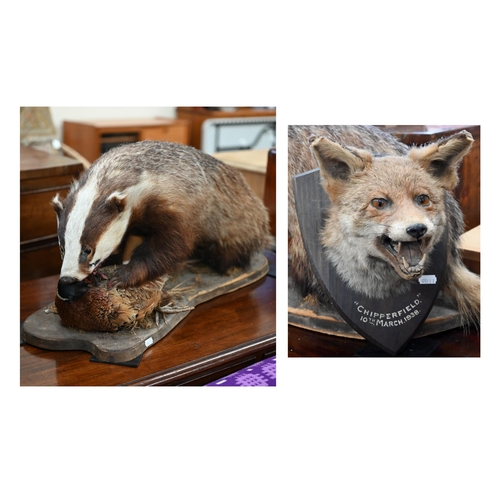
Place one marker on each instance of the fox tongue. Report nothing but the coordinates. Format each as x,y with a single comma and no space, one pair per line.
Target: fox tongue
411,252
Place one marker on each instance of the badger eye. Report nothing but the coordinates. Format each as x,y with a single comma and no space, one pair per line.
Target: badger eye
423,200
86,251
379,203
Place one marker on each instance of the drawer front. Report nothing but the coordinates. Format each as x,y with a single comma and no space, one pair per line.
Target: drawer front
40,262
38,218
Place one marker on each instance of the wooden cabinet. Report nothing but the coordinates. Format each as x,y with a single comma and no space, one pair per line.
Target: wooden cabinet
43,175
197,115
92,138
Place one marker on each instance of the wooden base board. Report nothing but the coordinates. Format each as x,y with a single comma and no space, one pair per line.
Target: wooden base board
196,284
309,314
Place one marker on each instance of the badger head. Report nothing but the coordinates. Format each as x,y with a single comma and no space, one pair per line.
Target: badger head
90,226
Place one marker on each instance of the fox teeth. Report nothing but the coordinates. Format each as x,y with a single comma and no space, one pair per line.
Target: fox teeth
398,247
413,268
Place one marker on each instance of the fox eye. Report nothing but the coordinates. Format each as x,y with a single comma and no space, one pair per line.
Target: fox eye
423,200
379,203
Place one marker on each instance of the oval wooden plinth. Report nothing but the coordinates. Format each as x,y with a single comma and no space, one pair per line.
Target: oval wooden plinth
196,284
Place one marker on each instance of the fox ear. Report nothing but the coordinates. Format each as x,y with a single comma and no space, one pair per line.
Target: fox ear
337,162
441,159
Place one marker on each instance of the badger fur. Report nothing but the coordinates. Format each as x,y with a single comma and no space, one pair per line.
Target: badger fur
176,198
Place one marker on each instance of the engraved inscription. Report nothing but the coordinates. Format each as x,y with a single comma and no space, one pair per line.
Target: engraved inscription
392,318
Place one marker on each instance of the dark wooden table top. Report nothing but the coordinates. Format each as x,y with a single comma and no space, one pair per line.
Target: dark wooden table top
218,337
306,343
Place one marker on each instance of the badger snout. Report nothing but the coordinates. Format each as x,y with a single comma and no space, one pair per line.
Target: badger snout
69,288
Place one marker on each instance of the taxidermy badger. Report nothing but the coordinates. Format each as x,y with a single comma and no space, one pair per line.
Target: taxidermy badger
176,198
390,204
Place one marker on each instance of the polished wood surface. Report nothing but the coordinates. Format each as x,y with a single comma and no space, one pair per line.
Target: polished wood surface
307,343
37,164
217,338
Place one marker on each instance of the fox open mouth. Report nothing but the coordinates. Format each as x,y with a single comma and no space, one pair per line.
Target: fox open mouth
407,257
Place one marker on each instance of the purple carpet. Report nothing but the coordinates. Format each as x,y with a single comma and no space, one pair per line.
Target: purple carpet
262,374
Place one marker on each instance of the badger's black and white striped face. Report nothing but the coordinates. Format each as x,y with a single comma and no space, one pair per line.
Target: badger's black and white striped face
91,225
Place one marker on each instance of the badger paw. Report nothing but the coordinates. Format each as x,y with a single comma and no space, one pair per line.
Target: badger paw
129,276
120,279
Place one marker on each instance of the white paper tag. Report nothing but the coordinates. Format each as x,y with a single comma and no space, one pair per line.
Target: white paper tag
428,279
148,342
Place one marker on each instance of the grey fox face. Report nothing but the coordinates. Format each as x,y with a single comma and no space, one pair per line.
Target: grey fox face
389,207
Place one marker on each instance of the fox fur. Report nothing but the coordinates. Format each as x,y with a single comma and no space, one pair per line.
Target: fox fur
389,206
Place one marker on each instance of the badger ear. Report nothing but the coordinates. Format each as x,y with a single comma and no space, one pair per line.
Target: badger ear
117,201
441,159
57,205
337,162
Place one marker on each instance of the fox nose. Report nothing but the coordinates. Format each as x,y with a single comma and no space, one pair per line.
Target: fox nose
416,230
69,288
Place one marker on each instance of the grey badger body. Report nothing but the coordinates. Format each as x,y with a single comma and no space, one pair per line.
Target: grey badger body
389,206
176,198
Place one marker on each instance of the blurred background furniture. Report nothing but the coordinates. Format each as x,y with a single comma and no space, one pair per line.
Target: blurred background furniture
93,138
470,245
270,189
43,175
47,167
198,115
230,134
